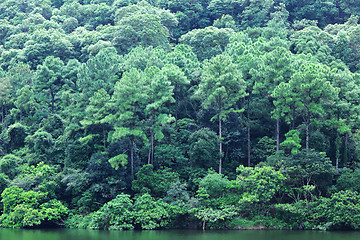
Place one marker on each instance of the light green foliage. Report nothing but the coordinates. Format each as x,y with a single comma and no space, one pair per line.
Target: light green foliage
100,72
226,21
340,211
207,42
29,208
292,142
309,91
150,214
114,215
38,178
258,185
264,148
222,84
96,115
214,185
143,24
209,215
314,41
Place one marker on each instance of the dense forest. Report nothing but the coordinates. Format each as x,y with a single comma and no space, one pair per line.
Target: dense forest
126,114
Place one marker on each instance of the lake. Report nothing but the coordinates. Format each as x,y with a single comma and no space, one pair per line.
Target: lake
66,234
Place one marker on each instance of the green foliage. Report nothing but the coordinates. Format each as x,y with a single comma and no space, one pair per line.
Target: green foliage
308,167
203,148
150,214
29,208
9,165
91,91
207,42
292,142
340,211
258,185
114,215
156,183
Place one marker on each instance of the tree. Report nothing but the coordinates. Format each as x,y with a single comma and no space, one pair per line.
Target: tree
159,92
179,81
29,208
310,91
128,109
97,111
203,148
5,88
221,86
207,42
49,79
100,71
142,24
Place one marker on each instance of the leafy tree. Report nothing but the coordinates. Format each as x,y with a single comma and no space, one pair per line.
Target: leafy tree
49,79
203,147
207,42
126,119
96,112
114,215
221,87
100,72
156,183
159,92
258,185
150,214
142,24
29,208
5,88
310,90
292,142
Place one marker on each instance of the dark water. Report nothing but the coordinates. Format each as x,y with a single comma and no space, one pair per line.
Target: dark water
64,234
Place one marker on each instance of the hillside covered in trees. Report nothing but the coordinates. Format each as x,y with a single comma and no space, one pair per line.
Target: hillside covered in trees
160,114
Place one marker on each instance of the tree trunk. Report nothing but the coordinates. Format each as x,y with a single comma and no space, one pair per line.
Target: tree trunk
220,139
20,114
176,107
292,124
277,135
203,227
2,113
346,150
5,118
52,101
104,137
151,148
132,157
307,129
248,134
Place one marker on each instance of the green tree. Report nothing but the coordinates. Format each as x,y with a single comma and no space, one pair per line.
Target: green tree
221,87
142,24
207,42
128,109
159,92
5,88
310,90
49,79
96,112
